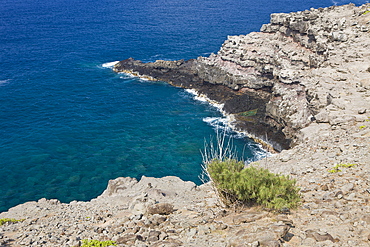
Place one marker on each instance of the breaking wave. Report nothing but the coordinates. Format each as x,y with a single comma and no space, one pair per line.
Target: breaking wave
225,123
109,64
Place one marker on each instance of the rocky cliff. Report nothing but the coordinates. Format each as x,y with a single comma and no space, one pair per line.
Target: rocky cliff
304,80
300,69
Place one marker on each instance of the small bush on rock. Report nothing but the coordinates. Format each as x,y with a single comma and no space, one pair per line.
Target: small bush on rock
6,220
97,243
237,184
336,167
252,185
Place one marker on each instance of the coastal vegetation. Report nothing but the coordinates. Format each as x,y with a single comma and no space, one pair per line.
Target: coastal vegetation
251,185
336,167
97,243
6,220
237,184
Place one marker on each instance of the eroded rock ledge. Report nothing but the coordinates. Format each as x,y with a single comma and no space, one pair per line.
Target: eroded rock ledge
300,69
308,73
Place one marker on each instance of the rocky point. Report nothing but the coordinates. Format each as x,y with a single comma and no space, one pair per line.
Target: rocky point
301,84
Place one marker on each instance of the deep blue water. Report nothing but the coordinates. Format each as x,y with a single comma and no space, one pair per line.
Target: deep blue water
68,125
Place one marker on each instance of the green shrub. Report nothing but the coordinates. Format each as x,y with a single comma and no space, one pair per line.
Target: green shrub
251,185
97,243
336,167
5,220
236,184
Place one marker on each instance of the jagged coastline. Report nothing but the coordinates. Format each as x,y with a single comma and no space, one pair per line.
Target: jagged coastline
305,81
278,81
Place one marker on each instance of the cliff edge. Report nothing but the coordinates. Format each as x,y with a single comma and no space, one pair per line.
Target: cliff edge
302,68
304,83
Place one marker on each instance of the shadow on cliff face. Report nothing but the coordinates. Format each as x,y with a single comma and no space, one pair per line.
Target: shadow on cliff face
248,106
249,110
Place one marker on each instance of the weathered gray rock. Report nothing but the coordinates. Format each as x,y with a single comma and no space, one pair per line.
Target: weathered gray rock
293,67
347,188
318,236
161,208
305,77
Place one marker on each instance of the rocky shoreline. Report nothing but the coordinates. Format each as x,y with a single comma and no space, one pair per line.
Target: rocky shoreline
302,84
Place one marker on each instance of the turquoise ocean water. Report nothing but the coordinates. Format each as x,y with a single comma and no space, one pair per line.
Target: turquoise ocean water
68,124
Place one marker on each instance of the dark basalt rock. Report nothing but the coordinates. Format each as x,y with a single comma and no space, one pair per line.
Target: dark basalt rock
178,73
248,106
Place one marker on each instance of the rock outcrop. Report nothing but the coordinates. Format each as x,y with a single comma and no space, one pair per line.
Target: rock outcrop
302,68
305,80
151,212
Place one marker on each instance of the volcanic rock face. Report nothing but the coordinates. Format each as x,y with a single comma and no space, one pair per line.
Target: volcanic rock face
303,67
306,76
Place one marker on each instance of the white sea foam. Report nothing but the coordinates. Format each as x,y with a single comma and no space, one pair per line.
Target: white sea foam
227,123
109,65
136,75
224,122
192,91
260,154
217,122
3,82
204,98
